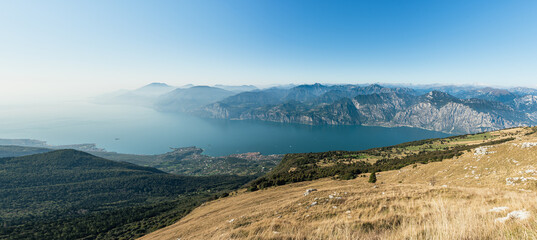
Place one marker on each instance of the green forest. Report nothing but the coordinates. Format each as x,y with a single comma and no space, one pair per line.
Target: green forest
68,194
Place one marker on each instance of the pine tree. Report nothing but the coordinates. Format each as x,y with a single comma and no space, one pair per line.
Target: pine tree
373,177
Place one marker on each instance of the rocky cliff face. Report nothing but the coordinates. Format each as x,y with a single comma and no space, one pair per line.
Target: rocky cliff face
527,102
452,118
373,105
528,105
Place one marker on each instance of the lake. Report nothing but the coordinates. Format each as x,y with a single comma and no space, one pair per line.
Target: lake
137,130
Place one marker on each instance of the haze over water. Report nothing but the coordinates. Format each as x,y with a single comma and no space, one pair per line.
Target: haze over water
129,129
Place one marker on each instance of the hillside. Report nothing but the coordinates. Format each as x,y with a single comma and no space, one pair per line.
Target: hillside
485,192
60,194
349,164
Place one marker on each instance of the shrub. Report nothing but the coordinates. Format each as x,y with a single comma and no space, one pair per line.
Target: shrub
373,177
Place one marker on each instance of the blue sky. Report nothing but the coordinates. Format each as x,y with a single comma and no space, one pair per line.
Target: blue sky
104,45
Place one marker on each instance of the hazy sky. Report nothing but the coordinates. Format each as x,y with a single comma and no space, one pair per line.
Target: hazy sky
57,48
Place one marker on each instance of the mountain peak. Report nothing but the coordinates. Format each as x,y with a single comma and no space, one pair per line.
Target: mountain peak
438,95
154,88
439,98
375,85
310,86
156,85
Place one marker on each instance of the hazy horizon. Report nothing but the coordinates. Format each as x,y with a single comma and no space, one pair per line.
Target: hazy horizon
69,50
23,97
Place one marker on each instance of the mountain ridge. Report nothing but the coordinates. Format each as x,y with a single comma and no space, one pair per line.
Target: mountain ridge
374,105
448,109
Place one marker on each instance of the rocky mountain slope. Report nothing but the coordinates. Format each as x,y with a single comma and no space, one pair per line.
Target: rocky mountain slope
484,110
449,109
485,191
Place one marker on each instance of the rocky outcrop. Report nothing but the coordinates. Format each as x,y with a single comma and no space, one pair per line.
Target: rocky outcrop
452,118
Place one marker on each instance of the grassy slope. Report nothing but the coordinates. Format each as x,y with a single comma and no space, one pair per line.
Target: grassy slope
348,164
450,199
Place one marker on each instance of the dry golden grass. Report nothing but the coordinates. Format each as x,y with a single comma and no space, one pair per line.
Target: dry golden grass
443,200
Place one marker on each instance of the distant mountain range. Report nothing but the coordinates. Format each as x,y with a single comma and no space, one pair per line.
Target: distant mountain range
168,98
190,99
470,111
144,96
450,109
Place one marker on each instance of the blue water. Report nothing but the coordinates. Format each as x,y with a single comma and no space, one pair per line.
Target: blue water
137,130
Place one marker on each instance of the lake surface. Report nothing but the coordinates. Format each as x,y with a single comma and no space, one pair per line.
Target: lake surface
129,129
